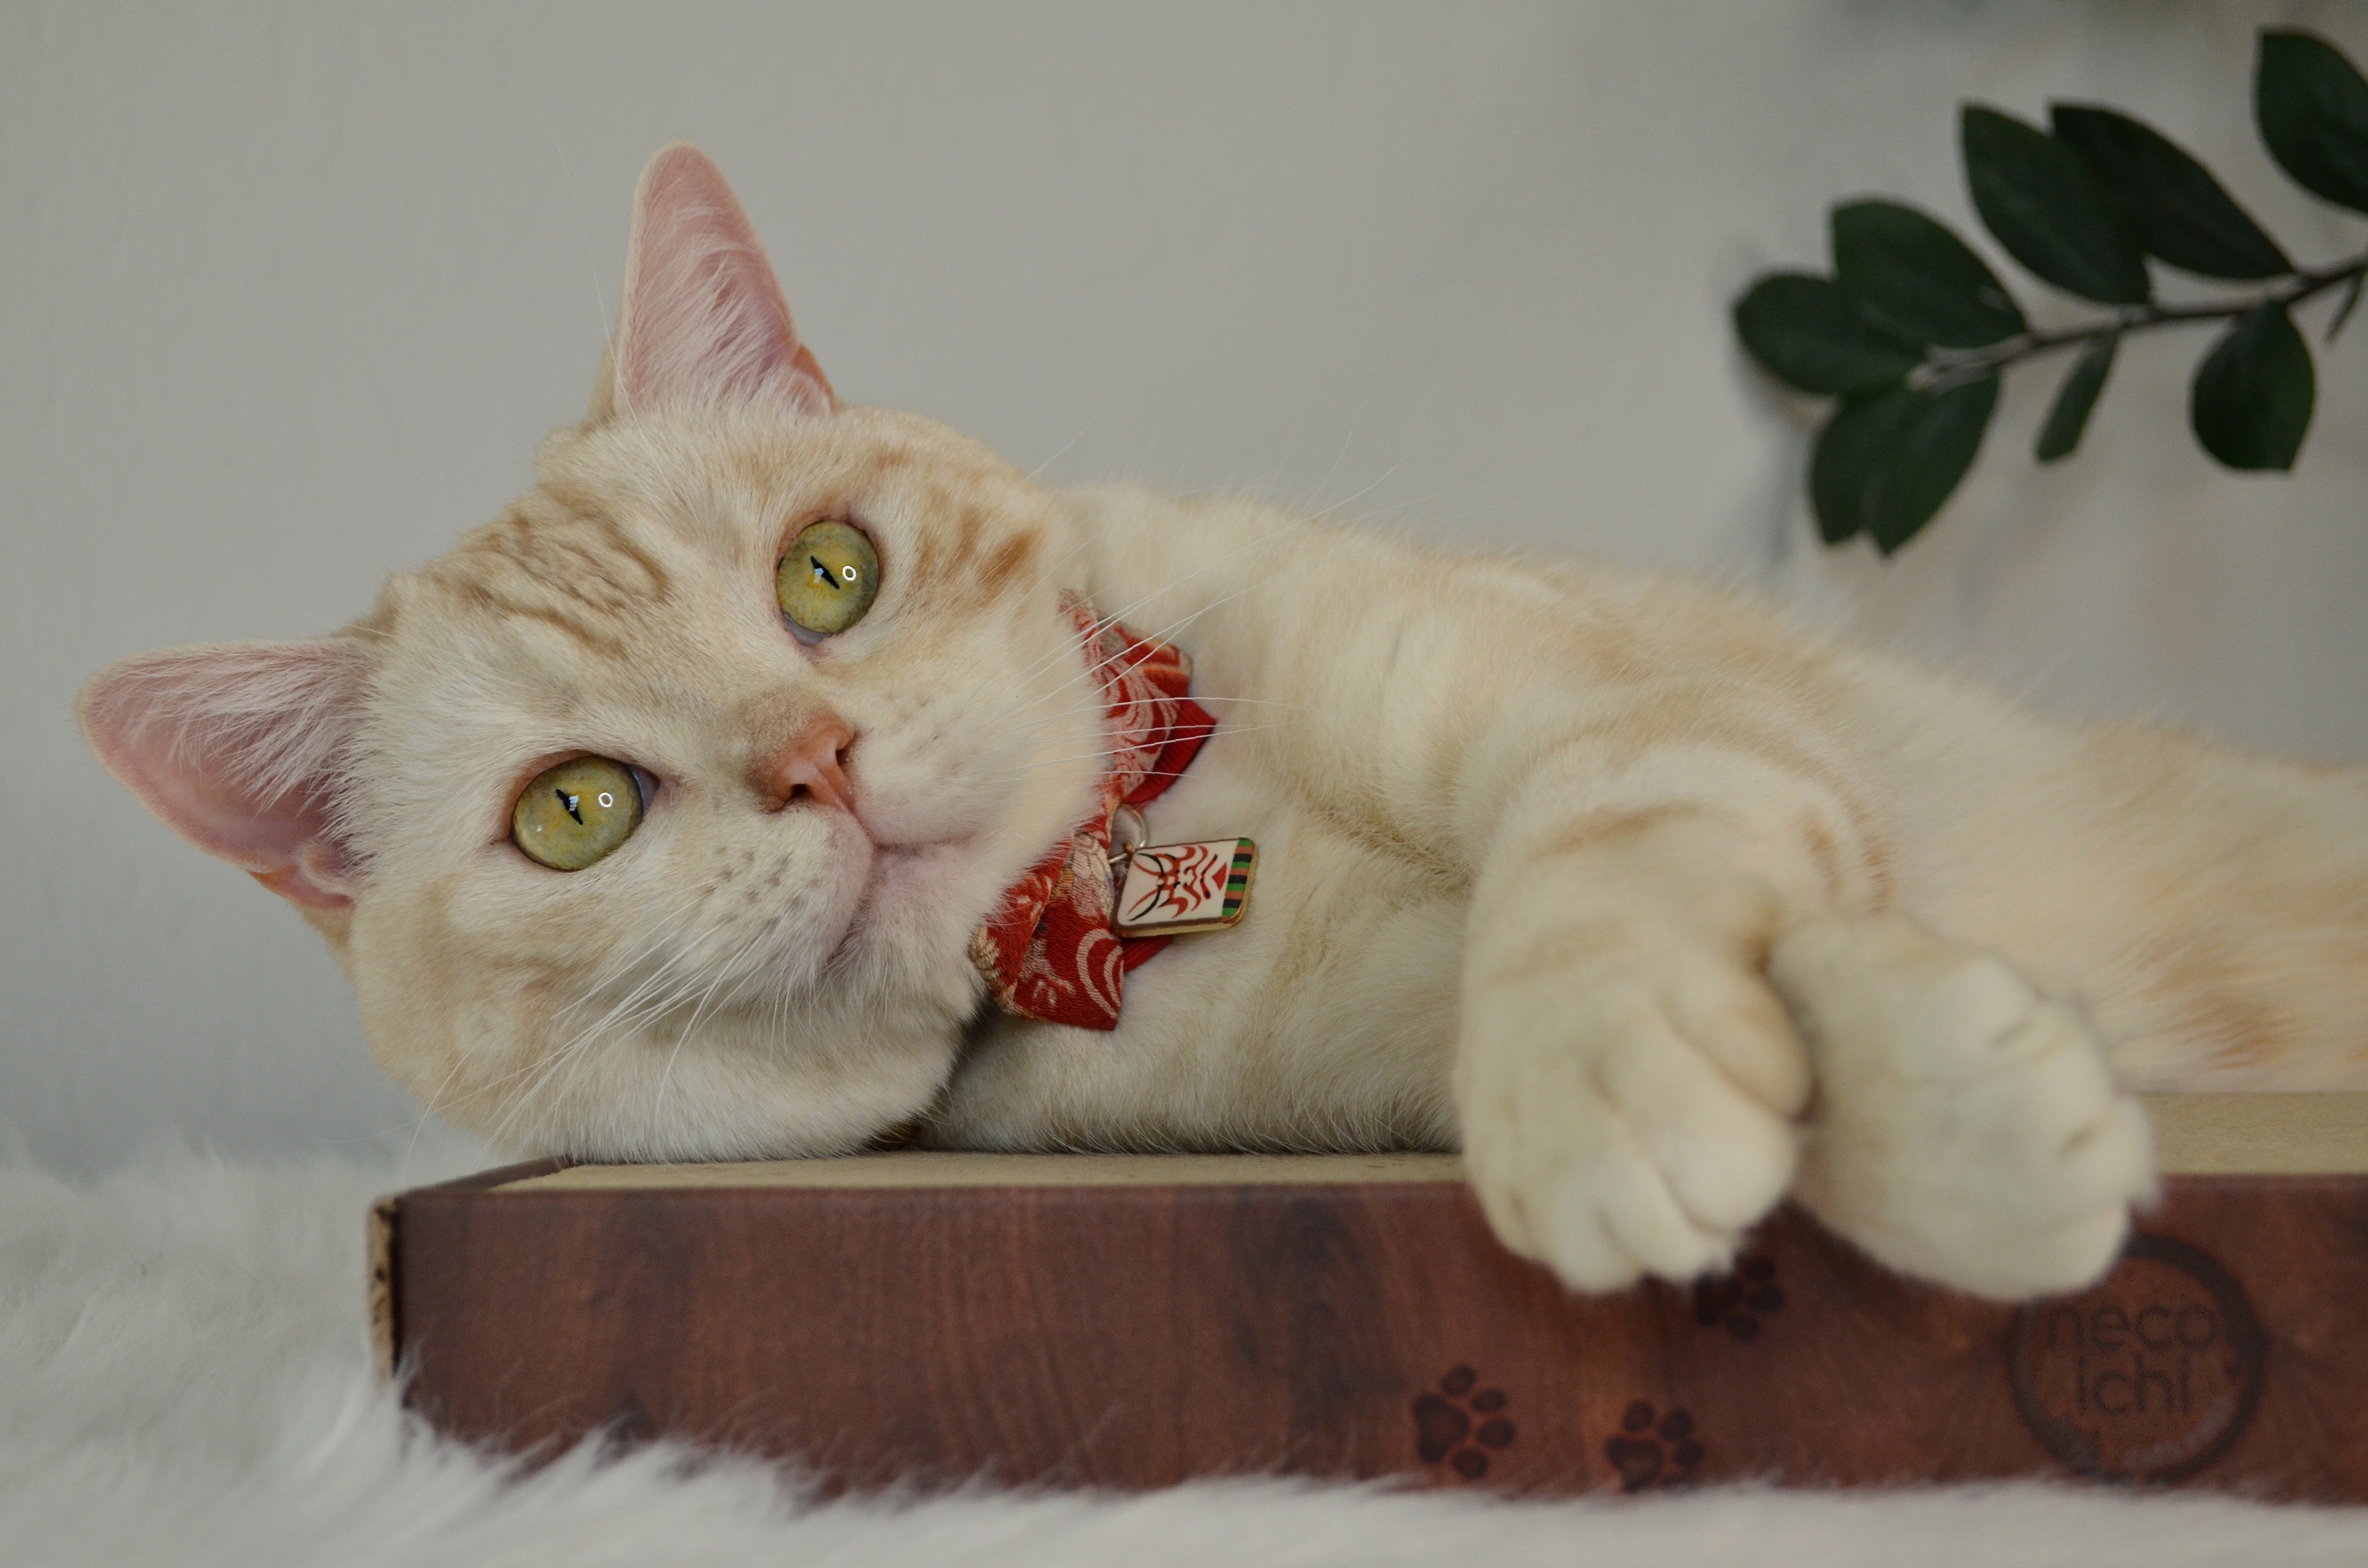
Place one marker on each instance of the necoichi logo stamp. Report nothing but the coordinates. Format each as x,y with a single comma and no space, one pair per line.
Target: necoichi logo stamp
2150,1375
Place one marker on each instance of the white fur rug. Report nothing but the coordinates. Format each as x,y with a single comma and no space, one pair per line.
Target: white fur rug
183,1381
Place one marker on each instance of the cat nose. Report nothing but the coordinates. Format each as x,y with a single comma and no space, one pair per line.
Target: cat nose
814,763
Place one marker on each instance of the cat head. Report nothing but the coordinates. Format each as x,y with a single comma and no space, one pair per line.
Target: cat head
653,820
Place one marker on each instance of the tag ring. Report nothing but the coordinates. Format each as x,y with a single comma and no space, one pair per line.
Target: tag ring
1128,830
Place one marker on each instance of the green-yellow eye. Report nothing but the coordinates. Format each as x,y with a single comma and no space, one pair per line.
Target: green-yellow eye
575,813
827,578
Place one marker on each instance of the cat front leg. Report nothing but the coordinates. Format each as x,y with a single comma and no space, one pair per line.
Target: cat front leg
1663,957
1627,1081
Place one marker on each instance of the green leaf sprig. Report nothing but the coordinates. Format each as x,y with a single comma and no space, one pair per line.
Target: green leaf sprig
1912,330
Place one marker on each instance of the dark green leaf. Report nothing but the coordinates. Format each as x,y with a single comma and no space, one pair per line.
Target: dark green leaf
2045,206
1804,331
1912,277
1849,458
2168,201
2253,393
1884,463
2069,416
2313,110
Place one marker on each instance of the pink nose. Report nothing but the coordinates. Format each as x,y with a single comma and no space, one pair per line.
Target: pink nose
814,765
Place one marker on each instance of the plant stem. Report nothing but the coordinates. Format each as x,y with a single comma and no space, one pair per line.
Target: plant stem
1954,367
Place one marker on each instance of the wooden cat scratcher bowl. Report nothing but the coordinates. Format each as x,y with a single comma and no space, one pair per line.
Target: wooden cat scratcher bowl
1134,1321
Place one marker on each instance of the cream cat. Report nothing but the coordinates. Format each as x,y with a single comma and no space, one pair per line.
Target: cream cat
1657,907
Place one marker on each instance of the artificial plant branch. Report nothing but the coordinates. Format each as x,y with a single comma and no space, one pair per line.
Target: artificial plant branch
1911,330
1947,368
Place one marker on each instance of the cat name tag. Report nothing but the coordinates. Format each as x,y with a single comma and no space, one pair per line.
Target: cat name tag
1172,890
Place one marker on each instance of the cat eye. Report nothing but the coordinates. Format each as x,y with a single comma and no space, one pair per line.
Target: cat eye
827,578
577,812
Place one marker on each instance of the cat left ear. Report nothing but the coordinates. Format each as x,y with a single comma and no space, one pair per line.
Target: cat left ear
703,321
236,747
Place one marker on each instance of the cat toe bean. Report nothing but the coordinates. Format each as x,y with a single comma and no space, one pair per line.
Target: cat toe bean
1625,1148
1724,1156
1740,1026
1613,1219
1967,1129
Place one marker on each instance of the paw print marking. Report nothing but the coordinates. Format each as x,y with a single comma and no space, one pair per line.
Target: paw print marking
1653,1450
1739,1300
1444,1420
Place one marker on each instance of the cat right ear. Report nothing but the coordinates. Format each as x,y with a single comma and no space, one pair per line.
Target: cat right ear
236,747
703,321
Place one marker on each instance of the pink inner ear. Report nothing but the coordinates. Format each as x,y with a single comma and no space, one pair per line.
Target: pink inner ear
704,320
234,746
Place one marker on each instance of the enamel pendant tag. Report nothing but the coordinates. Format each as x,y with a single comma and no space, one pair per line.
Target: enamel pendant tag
1171,890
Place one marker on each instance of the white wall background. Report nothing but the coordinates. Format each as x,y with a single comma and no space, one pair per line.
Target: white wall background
287,294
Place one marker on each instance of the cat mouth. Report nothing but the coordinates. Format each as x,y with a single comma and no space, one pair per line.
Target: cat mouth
901,882
895,900
905,886
895,866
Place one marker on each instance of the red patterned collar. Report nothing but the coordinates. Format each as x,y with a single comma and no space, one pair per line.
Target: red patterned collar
1048,951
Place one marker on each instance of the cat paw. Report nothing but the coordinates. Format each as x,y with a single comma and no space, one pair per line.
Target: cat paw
1966,1128
1624,1127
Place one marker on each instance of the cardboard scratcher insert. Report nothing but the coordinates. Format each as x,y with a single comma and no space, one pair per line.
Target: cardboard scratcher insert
1137,1321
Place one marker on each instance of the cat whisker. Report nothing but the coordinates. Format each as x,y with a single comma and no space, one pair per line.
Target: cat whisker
1115,617
583,231
724,973
1065,647
1204,698
1036,763
1154,773
1017,735
1043,575
419,1122
1048,462
1119,615
1367,489
1163,633
1134,659
1148,651
623,1014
